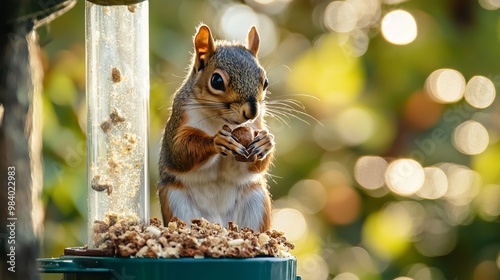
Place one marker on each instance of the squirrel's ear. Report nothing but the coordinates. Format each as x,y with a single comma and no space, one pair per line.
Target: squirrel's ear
253,41
204,46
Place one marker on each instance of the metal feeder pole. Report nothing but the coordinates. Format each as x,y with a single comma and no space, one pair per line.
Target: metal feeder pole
117,53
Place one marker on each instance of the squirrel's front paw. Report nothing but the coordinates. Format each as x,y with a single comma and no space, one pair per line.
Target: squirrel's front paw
261,145
226,143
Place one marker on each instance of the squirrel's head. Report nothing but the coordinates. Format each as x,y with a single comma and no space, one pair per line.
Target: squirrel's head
229,80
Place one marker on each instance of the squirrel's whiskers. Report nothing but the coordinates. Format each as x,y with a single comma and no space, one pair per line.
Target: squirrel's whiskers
283,110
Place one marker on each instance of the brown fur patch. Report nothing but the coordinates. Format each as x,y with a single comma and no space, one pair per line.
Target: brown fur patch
266,216
164,202
259,166
193,147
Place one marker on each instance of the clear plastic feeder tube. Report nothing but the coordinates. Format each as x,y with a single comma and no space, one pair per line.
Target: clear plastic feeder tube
117,53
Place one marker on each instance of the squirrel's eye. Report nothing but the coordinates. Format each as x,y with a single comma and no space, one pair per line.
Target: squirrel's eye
266,83
216,82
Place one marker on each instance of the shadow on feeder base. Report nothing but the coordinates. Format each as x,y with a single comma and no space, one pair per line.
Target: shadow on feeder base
84,251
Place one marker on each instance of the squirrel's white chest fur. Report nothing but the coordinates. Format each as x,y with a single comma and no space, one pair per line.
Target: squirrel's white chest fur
220,190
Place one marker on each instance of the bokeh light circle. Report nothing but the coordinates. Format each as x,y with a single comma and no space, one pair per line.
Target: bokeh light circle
445,86
290,221
235,21
343,205
463,183
355,125
488,202
480,92
435,183
421,111
313,266
470,138
399,27
437,238
340,16
311,195
490,4
404,176
369,172
388,232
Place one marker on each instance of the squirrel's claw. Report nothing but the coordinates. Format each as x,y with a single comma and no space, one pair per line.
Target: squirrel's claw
261,145
241,151
225,143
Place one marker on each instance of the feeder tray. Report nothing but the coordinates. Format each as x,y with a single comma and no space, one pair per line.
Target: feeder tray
97,268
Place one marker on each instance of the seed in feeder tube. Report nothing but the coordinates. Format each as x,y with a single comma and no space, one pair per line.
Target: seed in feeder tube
114,164
116,76
127,149
132,8
132,139
100,186
116,116
106,126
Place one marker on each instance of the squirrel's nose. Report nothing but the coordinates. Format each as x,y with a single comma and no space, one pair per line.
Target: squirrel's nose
250,110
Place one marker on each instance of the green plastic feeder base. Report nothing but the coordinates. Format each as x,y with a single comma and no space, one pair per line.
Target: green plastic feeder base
97,268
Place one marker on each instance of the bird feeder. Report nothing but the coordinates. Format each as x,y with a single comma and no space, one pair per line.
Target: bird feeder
117,148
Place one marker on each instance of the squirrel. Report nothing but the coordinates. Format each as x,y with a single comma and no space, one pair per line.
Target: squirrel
200,174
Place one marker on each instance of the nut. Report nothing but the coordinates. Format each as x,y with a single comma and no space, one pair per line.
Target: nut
245,136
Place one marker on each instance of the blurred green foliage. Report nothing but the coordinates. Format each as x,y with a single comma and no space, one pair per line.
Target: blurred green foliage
362,95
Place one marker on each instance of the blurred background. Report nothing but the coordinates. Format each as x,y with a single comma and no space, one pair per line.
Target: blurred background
389,170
